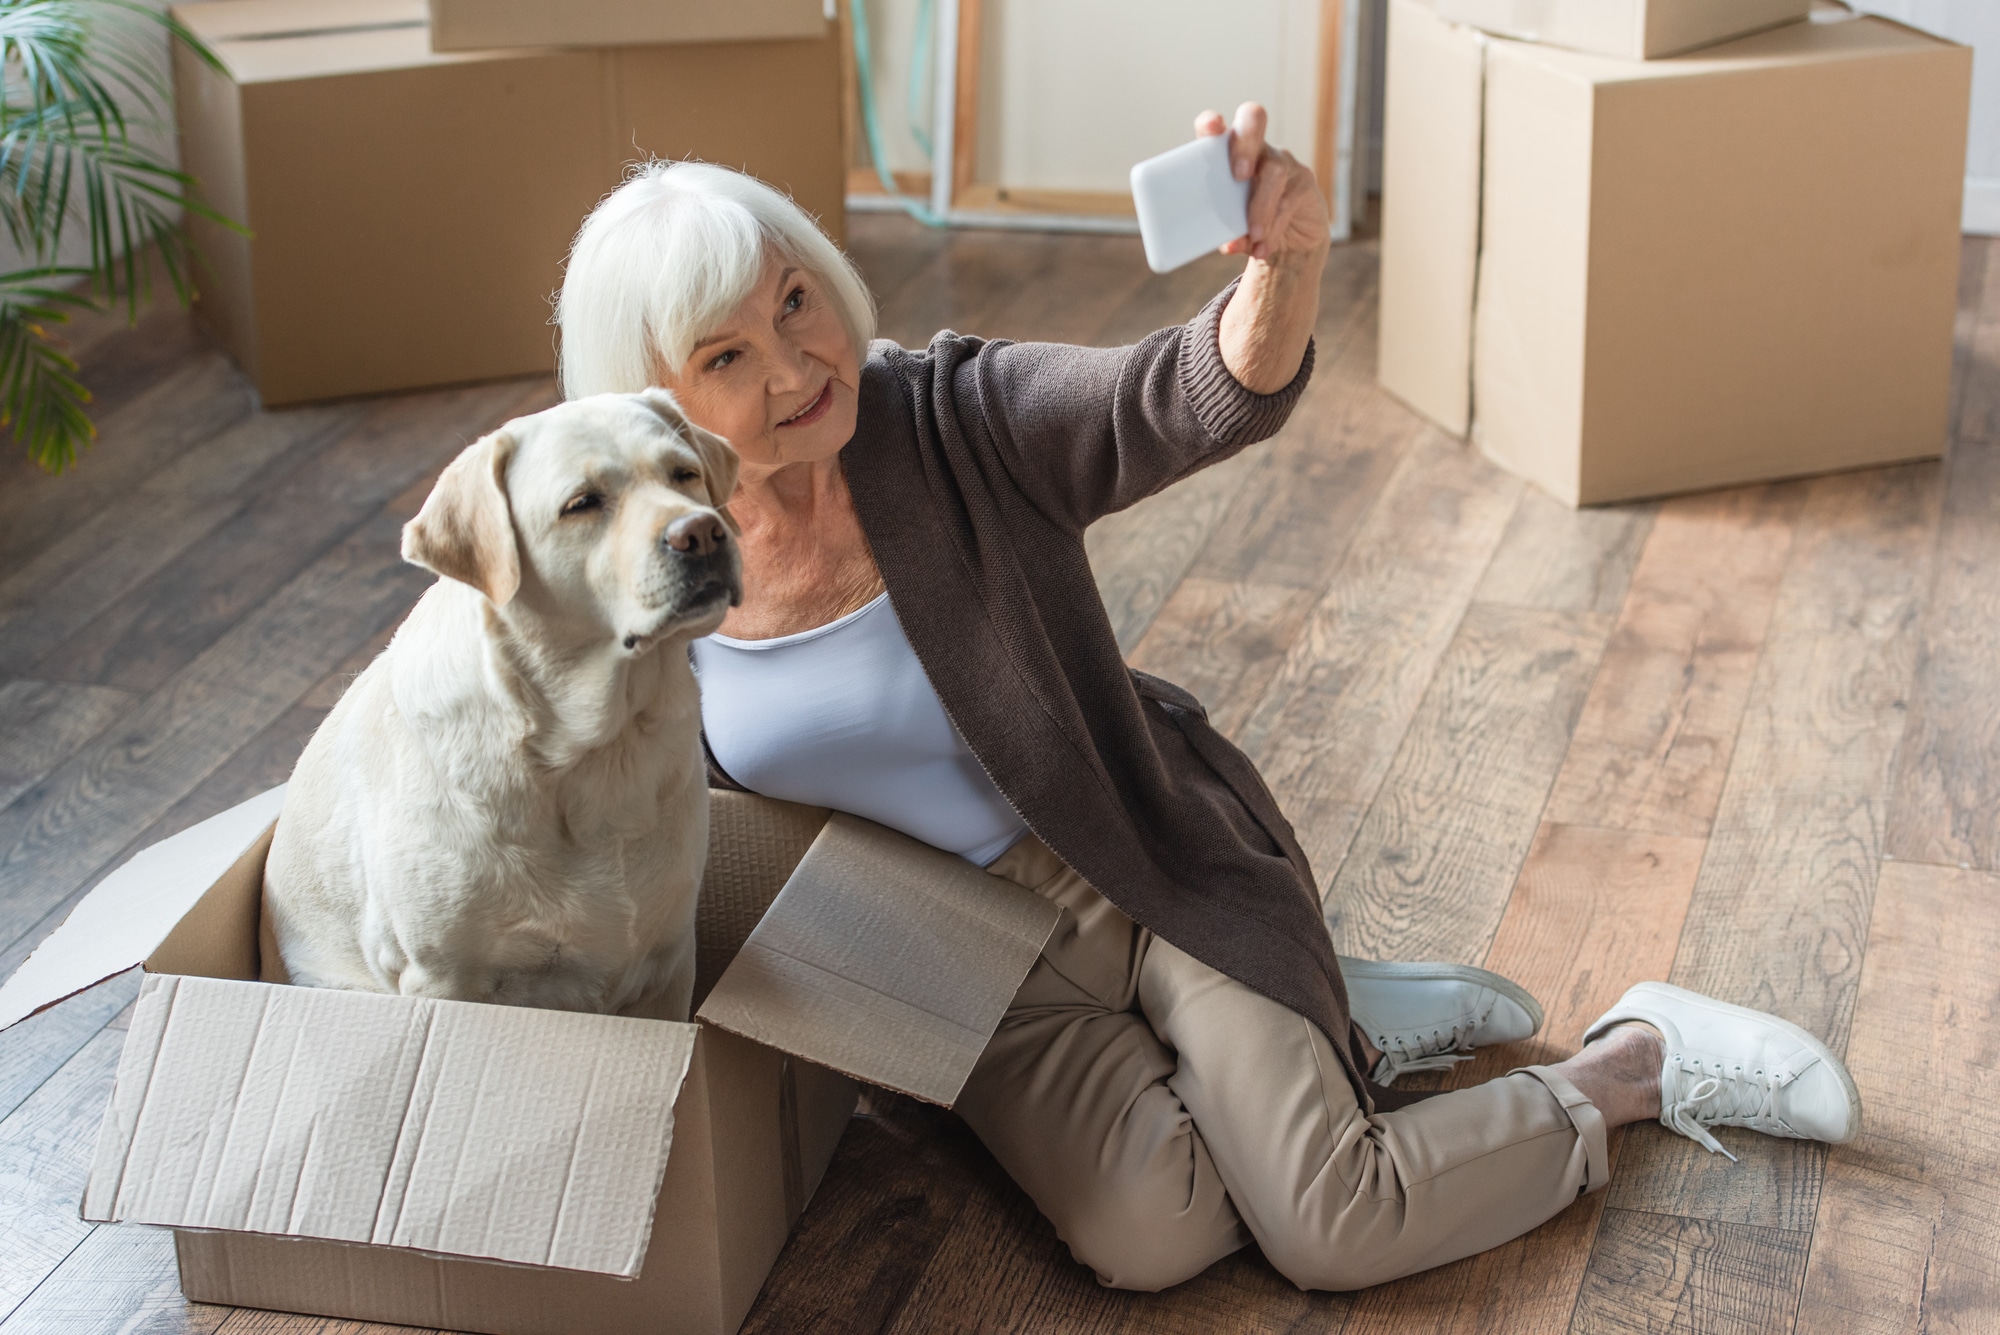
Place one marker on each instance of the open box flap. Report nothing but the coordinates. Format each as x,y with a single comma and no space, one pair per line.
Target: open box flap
886,959
498,1132
135,908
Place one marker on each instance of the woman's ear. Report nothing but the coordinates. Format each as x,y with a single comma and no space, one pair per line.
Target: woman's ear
466,529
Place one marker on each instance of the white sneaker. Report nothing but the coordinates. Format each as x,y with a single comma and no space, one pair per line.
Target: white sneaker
1429,1017
1732,1066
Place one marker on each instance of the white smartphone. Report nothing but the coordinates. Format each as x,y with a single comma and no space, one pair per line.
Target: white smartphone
1189,203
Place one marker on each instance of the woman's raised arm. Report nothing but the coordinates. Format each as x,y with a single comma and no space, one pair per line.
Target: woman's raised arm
1268,324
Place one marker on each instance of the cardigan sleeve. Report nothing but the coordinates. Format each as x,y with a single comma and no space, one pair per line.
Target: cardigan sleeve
1087,431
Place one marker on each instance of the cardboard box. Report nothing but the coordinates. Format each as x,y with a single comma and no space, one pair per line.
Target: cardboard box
480,25
1633,29
1635,278
518,1171
411,211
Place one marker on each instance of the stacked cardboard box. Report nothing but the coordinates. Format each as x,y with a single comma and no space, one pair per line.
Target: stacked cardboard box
1628,278
517,1171
409,207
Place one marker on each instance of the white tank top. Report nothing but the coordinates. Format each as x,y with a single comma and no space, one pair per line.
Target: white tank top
843,716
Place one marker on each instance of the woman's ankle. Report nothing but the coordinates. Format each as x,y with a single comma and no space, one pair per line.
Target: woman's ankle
1620,1073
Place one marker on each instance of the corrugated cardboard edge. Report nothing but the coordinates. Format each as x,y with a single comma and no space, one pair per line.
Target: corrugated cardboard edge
136,908
925,952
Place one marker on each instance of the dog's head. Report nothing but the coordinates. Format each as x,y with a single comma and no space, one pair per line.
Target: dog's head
603,518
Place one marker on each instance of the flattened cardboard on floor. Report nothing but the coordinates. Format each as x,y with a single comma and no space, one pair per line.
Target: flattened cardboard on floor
1632,29
479,25
1721,268
420,244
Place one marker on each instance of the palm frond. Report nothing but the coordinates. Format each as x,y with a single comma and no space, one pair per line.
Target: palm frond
41,398
79,79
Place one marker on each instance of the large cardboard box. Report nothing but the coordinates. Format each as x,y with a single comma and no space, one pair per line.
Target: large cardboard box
1633,29
410,211
1634,278
518,1171
480,25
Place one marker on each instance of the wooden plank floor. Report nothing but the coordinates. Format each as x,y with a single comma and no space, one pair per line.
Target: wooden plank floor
1749,741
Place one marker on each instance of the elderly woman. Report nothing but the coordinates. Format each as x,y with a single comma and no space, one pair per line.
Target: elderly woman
921,643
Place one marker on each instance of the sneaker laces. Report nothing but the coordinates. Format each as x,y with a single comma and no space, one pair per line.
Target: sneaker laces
1720,1096
1404,1053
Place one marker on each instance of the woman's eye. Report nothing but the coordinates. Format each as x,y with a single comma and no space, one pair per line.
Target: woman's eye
796,300
724,359
583,504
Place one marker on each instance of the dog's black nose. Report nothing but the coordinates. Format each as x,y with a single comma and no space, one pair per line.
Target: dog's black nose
696,535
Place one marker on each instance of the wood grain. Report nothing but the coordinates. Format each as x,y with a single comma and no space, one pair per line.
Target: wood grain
1002,1268
163,623
45,1147
1909,1223
1975,264
38,1047
1296,514
1947,799
900,1176
1328,727
1592,912
1779,918
120,1281
1139,555
77,573
192,401
1654,1273
1656,735
1565,559
1435,860
44,721
64,829
1976,407
1224,642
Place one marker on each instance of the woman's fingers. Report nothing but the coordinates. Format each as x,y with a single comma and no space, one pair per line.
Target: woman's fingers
1248,149
1267,195
1209,124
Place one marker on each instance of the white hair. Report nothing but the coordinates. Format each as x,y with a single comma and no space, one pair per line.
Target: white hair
665,258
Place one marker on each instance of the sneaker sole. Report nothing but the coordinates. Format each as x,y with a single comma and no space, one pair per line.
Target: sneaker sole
1811,1041
1457,973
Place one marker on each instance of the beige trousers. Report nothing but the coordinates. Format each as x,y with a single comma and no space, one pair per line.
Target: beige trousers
1163,1115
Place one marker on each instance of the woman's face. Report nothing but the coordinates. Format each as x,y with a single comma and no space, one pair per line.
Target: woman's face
779,379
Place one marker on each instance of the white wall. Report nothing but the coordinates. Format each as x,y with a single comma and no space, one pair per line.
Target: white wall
1076,91
1073,92
1977,24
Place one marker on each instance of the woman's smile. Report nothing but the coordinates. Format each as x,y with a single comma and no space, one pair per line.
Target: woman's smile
815,410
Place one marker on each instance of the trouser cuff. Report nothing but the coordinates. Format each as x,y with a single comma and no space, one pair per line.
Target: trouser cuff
1583,1115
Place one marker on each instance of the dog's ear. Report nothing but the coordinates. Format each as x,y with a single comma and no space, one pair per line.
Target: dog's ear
466,529
718,456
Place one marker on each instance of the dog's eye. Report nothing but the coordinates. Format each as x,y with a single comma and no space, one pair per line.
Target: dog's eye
583,504
686,475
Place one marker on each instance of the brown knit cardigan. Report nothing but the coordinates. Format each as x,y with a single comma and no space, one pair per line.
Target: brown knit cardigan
975,468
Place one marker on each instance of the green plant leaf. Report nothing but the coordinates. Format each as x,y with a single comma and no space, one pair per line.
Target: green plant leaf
79,79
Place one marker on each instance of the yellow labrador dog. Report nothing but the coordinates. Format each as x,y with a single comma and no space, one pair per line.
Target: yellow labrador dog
510,805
